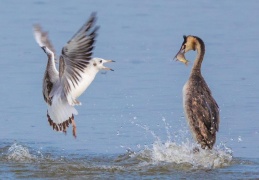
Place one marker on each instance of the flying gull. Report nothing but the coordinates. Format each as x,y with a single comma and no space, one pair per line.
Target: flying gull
77,69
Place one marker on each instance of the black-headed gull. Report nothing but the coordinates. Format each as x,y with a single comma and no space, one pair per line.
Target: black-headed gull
77,69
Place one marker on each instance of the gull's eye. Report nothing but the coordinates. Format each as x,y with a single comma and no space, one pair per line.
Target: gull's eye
101,61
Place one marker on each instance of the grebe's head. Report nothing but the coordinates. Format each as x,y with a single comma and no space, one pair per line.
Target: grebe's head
189,43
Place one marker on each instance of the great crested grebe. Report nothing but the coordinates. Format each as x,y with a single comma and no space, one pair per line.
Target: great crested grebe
201,109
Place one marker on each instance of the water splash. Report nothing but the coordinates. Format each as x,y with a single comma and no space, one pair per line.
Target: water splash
184,153
19,153
179,150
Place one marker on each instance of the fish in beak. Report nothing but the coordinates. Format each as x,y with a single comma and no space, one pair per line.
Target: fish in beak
180,57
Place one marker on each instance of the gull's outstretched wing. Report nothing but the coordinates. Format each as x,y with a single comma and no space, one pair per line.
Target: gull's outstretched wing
75,57
51,73
42,38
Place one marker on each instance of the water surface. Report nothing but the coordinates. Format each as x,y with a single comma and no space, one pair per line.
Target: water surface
131,123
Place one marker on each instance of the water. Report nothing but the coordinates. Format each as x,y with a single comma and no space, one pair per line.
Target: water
131,123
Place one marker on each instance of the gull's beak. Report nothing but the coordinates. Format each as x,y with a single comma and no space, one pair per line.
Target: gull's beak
106,68
180,57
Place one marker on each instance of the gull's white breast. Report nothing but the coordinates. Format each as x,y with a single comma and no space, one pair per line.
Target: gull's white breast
87,78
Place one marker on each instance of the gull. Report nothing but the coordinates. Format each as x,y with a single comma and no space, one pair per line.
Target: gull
77,69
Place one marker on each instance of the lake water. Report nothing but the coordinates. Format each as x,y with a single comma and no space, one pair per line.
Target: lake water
131,123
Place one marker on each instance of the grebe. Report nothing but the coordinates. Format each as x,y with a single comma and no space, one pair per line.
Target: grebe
201,109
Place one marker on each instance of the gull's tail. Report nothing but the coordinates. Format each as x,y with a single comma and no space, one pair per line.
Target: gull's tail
60,114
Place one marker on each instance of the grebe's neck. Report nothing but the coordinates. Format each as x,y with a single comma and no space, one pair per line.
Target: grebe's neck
200,48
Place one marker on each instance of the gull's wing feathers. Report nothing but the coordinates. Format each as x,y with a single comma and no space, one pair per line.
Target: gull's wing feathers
41,38
47,87
76,55
51,74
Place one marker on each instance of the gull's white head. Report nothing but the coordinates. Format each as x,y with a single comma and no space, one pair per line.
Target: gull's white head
99,63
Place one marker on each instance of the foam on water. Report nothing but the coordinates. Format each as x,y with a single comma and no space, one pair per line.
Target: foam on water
184,153
19,153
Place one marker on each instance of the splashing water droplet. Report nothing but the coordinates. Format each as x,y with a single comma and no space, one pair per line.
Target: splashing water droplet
239,139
